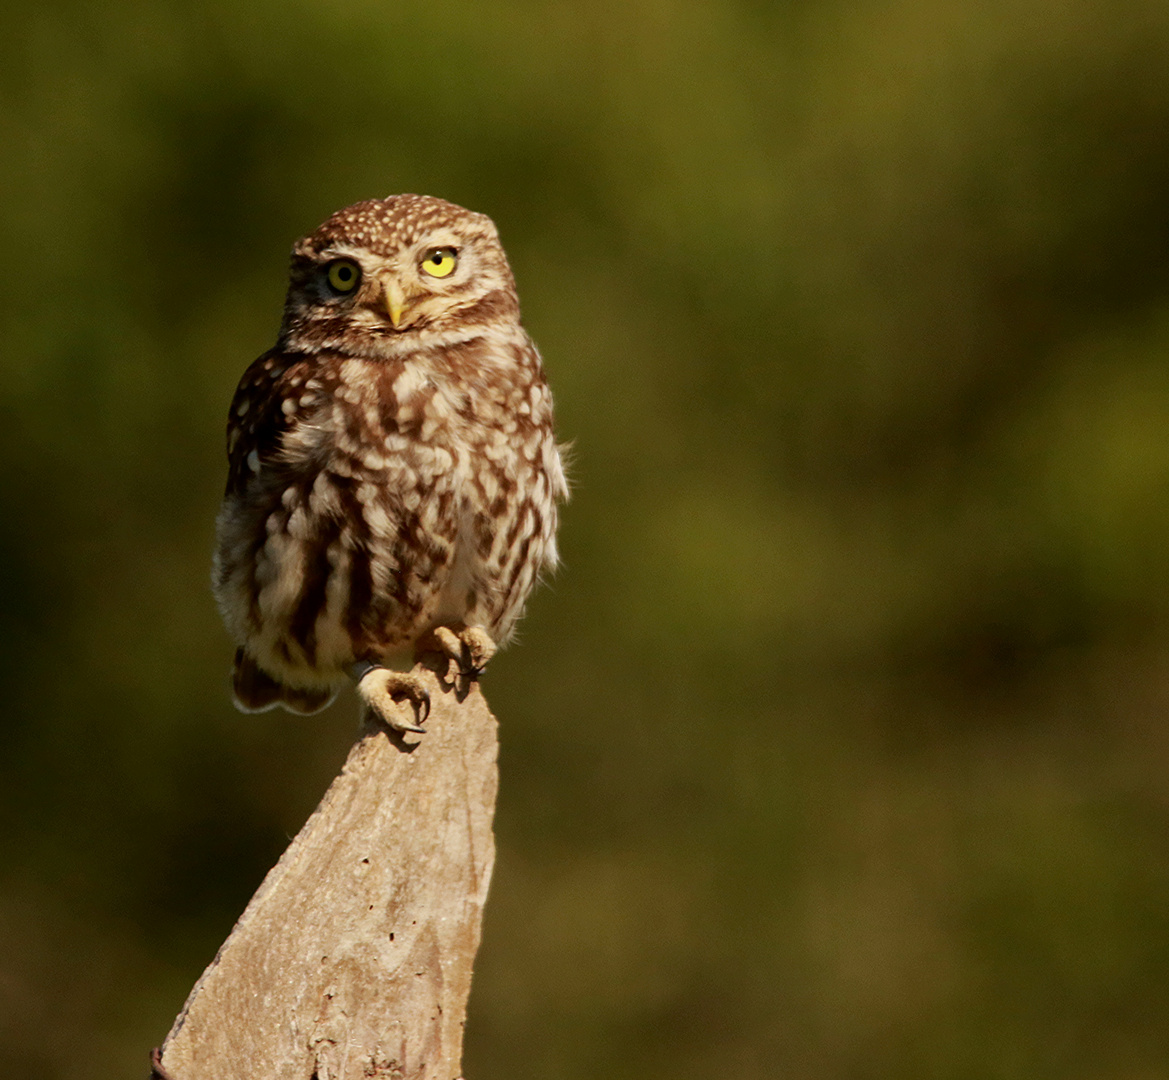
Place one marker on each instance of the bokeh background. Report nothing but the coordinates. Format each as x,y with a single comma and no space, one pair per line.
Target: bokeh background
839,748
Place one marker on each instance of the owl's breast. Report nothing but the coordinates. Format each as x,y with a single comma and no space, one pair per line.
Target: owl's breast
506,477
396,498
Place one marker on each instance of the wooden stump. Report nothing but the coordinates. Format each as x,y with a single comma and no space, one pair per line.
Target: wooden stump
353,960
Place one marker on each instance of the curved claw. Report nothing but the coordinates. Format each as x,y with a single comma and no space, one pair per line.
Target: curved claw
380,688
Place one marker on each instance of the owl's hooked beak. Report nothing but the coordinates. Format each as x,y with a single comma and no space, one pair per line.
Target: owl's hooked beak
394,301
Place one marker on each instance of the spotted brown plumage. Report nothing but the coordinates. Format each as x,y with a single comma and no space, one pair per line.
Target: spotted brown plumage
393,476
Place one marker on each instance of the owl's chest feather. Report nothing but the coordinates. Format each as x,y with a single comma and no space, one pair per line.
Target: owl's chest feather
414,458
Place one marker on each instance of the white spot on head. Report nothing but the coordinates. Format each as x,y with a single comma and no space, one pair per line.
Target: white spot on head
254,461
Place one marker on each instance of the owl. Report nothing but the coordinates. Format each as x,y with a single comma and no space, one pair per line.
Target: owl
393,476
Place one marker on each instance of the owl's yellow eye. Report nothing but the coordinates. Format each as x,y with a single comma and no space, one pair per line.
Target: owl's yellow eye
344,275
440,262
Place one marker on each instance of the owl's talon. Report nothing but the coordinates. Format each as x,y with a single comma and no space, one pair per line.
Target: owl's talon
380,688
448,643
403,727
470,648
480,649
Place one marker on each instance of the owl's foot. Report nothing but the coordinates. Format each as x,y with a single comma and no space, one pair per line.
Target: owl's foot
470,648
397,698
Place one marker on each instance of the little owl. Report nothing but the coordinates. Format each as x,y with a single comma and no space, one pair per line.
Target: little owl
392,471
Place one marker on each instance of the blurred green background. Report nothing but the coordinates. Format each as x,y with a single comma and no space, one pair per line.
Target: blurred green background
839,746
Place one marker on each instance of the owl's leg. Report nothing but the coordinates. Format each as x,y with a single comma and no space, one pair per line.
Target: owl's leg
470,648
383,692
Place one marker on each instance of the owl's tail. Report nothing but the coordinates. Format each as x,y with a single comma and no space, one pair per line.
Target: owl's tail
254,690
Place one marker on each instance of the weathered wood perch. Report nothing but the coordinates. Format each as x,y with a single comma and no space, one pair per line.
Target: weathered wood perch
353,960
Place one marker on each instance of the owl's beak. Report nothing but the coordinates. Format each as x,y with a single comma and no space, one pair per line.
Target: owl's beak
395,302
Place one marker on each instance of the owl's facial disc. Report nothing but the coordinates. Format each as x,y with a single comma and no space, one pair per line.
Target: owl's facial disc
417,285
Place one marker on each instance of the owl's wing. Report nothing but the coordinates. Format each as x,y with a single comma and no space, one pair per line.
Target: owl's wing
258,420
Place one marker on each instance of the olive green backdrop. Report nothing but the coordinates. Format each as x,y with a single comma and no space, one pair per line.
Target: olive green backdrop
839,747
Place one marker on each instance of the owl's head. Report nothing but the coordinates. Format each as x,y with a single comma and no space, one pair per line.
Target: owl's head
400,272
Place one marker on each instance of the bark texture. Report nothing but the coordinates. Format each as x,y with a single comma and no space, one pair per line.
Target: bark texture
353,960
